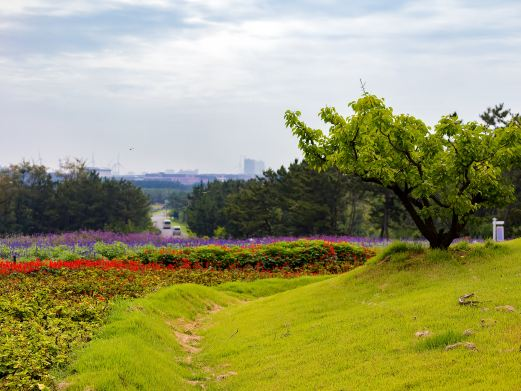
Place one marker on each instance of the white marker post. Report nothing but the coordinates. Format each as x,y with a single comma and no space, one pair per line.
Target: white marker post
498,230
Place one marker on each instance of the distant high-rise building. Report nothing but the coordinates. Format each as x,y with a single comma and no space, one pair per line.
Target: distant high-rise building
259,167
253,167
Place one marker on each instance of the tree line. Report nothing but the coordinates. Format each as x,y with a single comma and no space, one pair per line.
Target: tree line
32,200
295,201
298,201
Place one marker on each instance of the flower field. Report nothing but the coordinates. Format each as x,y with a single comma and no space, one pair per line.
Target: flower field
61,287
295,255
85,244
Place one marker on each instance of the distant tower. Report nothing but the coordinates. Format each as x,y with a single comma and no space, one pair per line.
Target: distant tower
259,167
253,167
249,167
117,167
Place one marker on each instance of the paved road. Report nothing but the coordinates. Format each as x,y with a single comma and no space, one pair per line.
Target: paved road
157,219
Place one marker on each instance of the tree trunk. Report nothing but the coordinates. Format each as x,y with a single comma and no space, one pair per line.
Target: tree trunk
384,231
437,239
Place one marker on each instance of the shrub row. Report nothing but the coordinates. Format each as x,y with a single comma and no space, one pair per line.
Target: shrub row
298,255
293,256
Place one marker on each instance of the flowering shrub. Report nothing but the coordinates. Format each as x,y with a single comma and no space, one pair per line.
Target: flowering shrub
295,256
8,267
49,307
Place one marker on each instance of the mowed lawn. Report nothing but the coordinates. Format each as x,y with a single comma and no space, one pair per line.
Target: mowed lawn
350,332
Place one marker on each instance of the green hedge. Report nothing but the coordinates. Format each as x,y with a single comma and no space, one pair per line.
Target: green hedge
298,255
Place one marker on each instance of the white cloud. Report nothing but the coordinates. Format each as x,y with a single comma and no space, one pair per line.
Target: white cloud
72,7
240,57
428,57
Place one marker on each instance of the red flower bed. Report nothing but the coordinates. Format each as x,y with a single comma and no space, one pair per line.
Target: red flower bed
7,267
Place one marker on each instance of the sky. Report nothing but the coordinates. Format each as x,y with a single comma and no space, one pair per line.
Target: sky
201,84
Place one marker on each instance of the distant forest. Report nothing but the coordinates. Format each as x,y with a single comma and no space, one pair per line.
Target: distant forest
34,201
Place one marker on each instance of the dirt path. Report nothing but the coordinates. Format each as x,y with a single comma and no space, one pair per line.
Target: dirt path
187,337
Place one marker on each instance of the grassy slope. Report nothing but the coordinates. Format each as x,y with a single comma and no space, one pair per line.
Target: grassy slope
137,349
357,331
351,332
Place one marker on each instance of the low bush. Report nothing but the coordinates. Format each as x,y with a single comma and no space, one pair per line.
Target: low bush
300,255
308,255
289,255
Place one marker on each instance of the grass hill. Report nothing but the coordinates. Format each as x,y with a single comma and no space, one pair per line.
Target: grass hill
357,331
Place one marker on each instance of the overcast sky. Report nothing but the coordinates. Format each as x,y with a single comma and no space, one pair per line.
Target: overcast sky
203,83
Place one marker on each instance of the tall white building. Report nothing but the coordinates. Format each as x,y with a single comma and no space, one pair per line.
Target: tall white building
253,167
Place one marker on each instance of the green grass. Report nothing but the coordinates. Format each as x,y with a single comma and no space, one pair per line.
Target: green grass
137,349
351,332
357,331
267,287
441,341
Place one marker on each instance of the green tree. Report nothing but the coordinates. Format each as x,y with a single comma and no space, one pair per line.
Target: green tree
27,199
498,117
32,201
253,210
126,208
177,202
442,176
205,211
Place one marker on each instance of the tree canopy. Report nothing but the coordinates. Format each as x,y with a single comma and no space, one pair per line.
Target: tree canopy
33,201
441,175
296,200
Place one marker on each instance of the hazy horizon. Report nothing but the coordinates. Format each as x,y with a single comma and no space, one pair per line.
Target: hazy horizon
193,84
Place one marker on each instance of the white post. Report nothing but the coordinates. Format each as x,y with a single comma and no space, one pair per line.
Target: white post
497,227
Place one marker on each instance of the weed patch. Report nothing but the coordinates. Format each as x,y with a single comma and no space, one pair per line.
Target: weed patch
440,341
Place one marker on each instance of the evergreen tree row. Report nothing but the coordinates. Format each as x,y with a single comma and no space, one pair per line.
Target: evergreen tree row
34,201
295,201
298,201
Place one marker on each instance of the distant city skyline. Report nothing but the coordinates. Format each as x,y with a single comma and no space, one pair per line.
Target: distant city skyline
253,167
113,167
174,84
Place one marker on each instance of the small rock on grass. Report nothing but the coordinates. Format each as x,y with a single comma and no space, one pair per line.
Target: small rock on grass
466,345
488,322
423,333
468,332
225,375
505,308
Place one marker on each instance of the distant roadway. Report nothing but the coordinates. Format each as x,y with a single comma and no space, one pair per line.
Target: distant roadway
157,219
